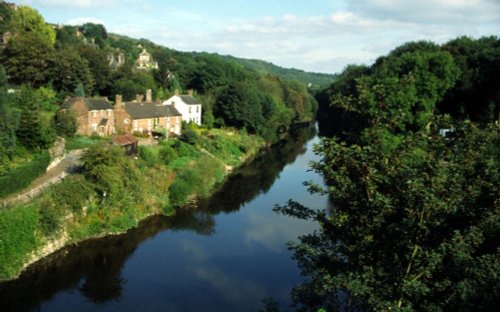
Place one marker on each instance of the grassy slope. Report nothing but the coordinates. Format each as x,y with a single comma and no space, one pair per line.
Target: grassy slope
75,211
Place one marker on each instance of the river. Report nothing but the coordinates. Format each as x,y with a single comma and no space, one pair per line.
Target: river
228,254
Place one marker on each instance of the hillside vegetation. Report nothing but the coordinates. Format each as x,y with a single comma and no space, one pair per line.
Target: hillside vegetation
416,215
42,64
312,80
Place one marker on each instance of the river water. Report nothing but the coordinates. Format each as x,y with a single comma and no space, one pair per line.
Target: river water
228,254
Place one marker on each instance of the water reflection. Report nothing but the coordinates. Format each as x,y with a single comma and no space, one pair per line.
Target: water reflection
244,184
95,270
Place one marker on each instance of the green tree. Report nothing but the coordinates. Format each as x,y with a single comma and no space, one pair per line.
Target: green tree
104,166
28,20
66,35
239,106
476,95
411,230
5,17
48,99
32,131
98,65
65,123
208,119
28,59
400,91
70,70
7,124
95,31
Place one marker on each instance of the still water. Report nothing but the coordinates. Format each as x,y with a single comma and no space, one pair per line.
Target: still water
229,254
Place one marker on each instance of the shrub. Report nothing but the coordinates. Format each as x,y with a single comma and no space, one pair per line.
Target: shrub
184,149
189,136
149,155
21,177
50,216
167,154
179,192
71,194
17,238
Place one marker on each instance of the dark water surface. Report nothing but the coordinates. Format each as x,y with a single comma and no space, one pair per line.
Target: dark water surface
227,255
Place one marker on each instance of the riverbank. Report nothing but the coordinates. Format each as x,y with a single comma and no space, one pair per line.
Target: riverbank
115,193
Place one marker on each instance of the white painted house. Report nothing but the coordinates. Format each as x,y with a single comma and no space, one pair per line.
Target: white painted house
188,107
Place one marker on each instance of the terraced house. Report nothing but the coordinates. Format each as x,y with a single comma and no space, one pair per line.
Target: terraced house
187,105
146,116
93,115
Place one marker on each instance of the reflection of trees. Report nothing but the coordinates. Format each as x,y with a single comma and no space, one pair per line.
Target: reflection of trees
105,282
95,267
257,177
244,184
98,263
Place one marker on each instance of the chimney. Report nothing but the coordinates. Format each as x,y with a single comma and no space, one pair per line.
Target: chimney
118,101
149,96
138,98
176,91
190,92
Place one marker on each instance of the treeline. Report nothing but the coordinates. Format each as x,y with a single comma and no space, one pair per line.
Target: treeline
415,82
75,60
412,169
314,81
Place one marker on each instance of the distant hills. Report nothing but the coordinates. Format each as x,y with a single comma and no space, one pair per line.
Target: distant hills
313,80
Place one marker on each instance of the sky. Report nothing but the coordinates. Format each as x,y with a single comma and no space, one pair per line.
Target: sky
312,35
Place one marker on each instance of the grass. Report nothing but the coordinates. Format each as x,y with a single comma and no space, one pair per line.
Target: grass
21,176
17,238
79,142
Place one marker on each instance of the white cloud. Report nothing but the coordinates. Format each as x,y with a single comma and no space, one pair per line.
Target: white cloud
73,3
233,288
436,11
358,31
83,20
272,231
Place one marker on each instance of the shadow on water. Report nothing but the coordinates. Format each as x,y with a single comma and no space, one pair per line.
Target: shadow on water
94,268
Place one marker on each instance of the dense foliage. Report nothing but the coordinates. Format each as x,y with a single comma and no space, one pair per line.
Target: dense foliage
416,219
77,60
312,80
114,192
413,83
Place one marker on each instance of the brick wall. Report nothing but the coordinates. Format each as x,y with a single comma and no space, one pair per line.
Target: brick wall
82,117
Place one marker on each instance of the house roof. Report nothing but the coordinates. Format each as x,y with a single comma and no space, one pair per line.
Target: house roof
188,99
170,110
125,139
149,110
91,103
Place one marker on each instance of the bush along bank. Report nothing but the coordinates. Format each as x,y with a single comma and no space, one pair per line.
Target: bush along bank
114,193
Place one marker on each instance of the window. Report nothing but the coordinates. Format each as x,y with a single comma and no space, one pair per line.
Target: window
197,108
190,109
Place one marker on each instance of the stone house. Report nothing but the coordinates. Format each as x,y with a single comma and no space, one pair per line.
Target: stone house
145,116
93,115
116,60
187,105
145,61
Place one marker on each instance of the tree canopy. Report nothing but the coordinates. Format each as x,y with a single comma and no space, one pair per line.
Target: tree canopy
414,226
